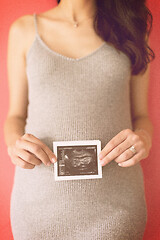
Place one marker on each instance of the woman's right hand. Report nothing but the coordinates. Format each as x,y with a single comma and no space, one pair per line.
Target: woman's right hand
28,151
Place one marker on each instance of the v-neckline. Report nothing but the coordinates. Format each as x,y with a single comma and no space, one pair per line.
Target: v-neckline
66,57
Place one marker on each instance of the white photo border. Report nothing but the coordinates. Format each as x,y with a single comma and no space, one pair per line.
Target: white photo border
77,143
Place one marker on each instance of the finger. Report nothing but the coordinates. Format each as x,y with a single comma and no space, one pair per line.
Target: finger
124,156
121,148
27,156
21,163
33,148
132,161
11,150
116,140
48,151
127,154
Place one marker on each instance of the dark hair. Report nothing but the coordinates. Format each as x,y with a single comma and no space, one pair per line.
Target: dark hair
127,25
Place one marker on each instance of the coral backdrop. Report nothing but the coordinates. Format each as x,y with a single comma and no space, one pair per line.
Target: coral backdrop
9,11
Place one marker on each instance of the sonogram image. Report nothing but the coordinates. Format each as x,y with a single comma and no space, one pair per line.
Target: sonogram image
77,160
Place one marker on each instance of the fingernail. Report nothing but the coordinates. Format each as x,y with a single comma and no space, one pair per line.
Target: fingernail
100,156
119,164
53,160
102,162
49,163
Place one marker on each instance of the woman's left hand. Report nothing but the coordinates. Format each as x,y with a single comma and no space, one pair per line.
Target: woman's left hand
117,148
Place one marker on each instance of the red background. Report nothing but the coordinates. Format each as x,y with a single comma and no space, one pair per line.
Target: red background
11,10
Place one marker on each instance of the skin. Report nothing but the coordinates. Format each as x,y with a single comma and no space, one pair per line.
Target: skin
24,149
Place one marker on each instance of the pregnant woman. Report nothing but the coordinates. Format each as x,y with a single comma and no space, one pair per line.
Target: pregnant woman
79,71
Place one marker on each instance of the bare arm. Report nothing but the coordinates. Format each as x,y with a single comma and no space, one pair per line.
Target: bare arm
25,150
139,105
117,148
17,83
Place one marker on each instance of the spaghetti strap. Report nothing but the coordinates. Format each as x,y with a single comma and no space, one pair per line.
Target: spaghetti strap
35,23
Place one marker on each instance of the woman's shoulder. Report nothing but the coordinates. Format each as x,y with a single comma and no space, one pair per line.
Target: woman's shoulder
22,22
21,34
25,22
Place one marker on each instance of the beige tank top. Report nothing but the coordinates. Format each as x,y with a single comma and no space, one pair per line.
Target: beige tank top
77,99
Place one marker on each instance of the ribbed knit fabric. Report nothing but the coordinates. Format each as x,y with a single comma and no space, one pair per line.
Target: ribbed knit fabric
78,99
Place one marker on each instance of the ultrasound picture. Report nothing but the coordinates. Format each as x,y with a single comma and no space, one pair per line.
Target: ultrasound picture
77,160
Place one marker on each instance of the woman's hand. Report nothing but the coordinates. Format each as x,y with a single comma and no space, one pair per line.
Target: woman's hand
118,148
29,151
